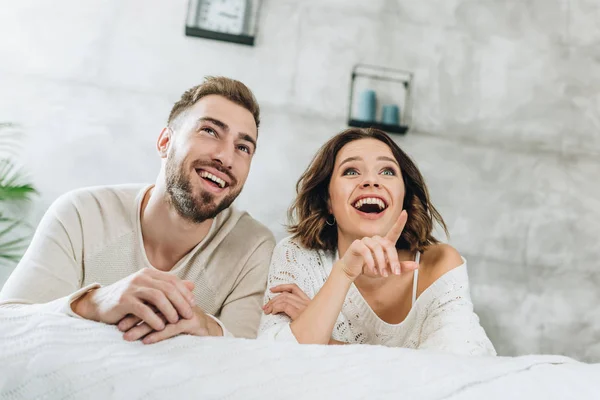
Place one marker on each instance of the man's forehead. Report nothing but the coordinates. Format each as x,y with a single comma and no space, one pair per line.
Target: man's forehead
213,102
218,107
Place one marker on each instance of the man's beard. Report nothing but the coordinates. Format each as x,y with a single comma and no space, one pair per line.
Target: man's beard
201,207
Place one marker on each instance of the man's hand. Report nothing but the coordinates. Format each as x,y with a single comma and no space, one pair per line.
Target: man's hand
143,295
291,301
199,325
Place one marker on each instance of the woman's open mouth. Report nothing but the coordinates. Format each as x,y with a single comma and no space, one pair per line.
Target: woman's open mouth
370,205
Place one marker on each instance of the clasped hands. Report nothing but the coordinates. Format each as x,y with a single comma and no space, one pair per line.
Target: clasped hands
149,305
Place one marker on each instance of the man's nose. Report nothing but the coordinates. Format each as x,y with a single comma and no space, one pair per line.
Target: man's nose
223,154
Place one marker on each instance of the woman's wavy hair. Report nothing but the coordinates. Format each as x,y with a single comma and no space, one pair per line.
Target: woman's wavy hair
309,212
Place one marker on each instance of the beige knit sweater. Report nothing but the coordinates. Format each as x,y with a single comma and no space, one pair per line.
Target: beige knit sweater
91,237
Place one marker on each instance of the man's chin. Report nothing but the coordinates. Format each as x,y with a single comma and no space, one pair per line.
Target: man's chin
199,216
210,209
204,205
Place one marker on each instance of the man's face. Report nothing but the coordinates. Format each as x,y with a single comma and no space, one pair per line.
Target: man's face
209,157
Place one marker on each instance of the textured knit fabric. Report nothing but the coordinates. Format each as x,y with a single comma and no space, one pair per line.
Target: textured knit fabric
441,318
92,237
49,356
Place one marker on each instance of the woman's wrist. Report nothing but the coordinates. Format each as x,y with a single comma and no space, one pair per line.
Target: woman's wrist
341,272
316,323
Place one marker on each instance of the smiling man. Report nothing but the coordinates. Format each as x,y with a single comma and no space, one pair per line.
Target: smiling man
164,259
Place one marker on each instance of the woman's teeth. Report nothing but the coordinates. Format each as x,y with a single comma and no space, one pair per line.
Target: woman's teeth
217,180
370,200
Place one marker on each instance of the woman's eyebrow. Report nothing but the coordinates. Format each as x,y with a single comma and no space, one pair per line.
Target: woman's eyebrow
349,159
380,158
385,158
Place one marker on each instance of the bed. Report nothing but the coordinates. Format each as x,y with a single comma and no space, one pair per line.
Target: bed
53,356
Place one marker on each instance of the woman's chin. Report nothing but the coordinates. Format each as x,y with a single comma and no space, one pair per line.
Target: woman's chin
369,232
361,227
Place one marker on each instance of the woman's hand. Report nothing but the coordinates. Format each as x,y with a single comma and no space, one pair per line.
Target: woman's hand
291,301
377,255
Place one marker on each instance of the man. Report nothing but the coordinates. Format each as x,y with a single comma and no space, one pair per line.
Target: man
164,259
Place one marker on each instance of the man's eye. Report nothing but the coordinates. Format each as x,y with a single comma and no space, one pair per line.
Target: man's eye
244,148
350,171
210,131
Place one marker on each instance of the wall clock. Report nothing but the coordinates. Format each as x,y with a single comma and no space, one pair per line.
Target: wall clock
227,20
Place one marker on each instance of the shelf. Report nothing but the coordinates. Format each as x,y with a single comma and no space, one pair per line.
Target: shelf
391,86
225,37
400,129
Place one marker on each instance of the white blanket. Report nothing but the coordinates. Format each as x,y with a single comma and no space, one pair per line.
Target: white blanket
58,357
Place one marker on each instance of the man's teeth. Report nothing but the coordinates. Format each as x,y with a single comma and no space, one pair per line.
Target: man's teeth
213,178
370,200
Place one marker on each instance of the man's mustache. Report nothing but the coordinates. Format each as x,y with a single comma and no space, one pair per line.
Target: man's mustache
198,164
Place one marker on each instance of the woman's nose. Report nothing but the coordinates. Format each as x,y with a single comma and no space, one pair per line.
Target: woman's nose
367,184
370,181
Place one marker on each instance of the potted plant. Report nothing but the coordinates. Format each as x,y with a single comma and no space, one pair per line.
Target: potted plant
15,193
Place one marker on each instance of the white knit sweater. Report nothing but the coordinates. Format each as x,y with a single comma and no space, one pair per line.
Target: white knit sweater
441,318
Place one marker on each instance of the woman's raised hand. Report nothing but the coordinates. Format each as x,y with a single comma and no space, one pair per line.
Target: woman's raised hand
377,254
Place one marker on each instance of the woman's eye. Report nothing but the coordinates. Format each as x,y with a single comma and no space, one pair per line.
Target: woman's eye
350,171
389,172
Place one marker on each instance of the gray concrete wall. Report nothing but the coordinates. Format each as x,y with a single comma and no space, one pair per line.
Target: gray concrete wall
505,116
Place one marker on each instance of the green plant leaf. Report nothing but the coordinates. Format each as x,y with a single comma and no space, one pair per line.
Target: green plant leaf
12,183
14,190
12,225
16,193
11,249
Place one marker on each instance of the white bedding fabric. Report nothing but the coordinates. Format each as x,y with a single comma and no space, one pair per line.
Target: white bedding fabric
58,357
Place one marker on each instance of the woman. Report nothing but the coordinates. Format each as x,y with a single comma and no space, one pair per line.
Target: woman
362,265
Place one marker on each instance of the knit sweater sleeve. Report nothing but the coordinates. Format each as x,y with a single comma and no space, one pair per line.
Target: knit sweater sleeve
450,324
51,272
241,311
290,263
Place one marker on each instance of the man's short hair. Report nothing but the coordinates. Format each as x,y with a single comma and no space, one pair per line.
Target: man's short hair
231,89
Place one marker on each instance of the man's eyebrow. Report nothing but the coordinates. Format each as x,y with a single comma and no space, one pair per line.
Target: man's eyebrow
241,135
247,138
215,121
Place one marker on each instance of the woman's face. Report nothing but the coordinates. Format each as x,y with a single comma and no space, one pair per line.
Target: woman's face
366,189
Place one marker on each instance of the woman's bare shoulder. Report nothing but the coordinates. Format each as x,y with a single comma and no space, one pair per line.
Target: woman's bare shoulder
436,260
